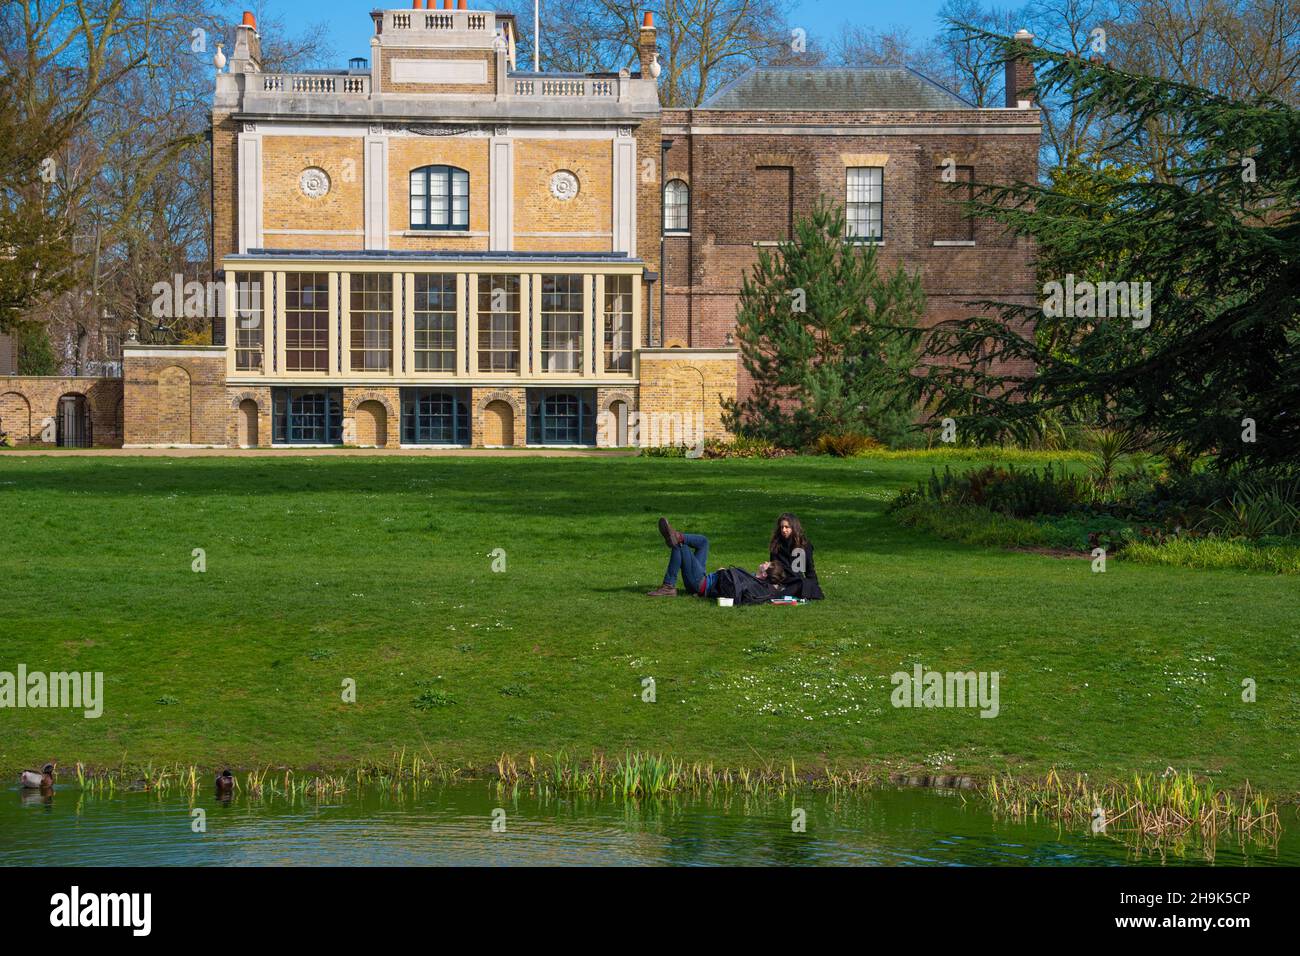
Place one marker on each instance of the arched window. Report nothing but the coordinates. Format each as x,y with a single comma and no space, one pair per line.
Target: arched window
561,418
439,198
677,206
435,417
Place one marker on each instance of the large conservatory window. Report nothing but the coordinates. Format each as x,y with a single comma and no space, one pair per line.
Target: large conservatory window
372,322
618,323
305,416
560,418
434,417
306,321
435,322
248,322
562,318
498,323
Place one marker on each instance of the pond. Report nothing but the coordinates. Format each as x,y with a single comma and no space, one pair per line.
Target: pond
454,825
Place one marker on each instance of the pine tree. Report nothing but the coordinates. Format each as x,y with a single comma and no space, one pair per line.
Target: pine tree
1218,239
35,354
829,342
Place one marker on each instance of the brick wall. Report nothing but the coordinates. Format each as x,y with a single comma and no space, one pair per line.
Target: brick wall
649,212
29,404
260,395
284,206
401,53
466,152
688,383
225,193
515,398
176,396
608,433
738,195
372,417
537,210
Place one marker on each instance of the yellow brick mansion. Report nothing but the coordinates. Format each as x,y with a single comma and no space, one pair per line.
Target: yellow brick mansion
434,247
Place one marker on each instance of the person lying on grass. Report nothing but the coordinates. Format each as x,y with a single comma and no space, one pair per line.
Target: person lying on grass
689,554
791,550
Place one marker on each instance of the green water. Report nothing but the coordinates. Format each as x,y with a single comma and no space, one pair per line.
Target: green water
453,825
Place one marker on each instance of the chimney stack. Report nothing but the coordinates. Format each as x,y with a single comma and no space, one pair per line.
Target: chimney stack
247,55
1020,76
646,44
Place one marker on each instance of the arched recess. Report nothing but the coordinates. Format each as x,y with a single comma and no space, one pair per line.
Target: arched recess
501,433
484,400
246,419
16,417
498,423
371,419
687,395
239,409
617,406
175,419
382,399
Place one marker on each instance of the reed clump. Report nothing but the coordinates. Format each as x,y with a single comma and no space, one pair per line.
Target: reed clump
1149,808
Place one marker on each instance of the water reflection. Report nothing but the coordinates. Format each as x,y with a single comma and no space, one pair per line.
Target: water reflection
452,825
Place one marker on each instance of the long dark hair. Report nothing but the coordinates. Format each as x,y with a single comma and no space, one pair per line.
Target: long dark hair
797,538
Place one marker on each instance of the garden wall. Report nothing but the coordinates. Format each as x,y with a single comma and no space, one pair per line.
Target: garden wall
175,396
29,407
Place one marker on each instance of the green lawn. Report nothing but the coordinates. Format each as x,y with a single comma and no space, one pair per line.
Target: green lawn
379,570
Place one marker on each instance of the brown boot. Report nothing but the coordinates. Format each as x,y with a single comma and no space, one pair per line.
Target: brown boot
664,590
671,537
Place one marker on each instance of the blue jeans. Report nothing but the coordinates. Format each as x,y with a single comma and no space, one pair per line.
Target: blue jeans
690,560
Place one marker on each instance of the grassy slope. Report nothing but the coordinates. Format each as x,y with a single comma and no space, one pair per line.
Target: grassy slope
379,570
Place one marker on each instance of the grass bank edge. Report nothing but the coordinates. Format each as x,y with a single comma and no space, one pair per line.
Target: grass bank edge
639,773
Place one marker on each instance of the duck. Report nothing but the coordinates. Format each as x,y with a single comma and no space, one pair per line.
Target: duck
31,780
225,781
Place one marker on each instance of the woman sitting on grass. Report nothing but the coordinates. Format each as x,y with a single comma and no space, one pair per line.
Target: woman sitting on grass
798,569
689,554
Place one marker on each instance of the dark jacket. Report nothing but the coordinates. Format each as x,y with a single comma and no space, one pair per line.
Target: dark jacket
743,587
798,584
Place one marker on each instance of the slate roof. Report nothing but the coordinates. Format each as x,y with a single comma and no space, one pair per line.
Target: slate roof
817,88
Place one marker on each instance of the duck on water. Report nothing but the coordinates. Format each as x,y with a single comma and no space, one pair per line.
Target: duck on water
31,780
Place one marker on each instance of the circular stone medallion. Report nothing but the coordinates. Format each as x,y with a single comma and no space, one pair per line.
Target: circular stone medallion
564,185
314,182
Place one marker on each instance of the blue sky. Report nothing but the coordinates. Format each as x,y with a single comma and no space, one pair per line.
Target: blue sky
349,22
